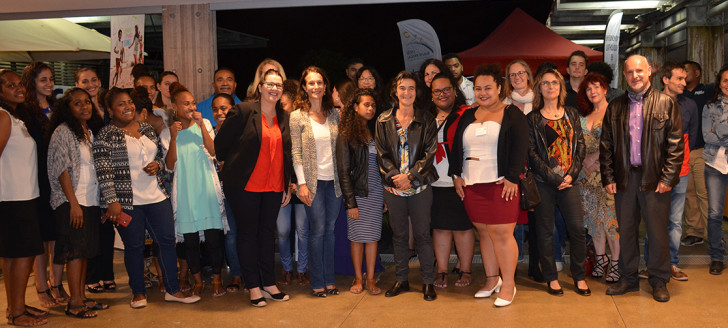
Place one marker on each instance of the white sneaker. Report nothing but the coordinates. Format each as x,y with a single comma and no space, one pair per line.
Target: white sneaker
138,304
187,300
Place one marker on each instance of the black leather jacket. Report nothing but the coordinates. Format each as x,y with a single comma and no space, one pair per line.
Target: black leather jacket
352,161
538,156
422,141
662,142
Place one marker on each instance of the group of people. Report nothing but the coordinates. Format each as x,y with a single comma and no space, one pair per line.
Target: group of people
442,154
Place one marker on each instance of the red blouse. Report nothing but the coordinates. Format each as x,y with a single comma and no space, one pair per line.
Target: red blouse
268,173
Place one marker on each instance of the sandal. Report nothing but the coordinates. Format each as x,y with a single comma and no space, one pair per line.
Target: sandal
234,285
86,313
321,293
95,288
356,286
217,289
332,291
96,305
600,266
441,280
372,287
36,312
61,295
464,282
302,279
110,285
38,322
613,276
197,289
46,293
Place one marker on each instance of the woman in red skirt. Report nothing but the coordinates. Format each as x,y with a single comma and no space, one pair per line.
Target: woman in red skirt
489,149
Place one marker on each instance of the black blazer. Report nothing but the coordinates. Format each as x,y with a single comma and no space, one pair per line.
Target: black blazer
512,143
238,144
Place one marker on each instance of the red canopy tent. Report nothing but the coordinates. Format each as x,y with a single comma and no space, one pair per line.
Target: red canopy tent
520,36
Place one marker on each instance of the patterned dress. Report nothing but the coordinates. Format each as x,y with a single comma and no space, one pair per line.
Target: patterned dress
598,204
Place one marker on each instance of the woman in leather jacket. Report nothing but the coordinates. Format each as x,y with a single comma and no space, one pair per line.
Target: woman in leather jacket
406,139
361,185
555,154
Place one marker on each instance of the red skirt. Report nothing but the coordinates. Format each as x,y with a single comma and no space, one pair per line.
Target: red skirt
484,204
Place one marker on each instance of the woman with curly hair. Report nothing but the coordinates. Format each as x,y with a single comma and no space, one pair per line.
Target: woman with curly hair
37,80
20,238
75,193
361,185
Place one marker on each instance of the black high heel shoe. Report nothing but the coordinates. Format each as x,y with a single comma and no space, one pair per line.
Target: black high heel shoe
555,292
280,296
260,302
582,292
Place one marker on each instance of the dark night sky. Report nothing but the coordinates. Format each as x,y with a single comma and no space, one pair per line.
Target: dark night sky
330,35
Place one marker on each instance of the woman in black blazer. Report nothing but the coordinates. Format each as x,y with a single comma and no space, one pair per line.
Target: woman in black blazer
488,155
254,143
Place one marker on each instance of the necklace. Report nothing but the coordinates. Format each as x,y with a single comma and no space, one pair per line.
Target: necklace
555,115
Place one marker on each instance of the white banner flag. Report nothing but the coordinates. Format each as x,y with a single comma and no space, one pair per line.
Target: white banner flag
127,48
611,45
419,43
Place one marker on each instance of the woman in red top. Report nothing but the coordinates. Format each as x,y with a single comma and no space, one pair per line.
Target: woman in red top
255,144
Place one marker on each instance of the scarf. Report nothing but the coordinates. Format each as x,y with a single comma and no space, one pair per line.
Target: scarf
527,100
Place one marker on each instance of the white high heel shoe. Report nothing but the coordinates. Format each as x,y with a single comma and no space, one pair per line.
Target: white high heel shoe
487,293
499,302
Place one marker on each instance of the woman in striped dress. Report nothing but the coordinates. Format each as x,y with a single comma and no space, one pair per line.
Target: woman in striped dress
361,185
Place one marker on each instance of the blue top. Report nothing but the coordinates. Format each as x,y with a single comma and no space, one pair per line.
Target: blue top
701,94
197,206
690,120
205,108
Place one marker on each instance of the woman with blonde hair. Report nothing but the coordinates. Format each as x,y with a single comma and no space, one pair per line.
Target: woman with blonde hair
253,94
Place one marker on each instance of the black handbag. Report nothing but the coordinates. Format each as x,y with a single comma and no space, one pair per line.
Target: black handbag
530,197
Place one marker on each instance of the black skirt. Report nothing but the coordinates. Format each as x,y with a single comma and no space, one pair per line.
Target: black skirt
76,243
448,211
19,231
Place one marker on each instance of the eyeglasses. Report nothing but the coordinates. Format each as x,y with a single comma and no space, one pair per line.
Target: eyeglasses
519,73
366,79
553,83
438,92
272,85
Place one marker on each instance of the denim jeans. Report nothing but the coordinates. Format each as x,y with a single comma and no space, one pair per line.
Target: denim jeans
158,219
322,215
283,225
716,184
231,246
520,234
674,228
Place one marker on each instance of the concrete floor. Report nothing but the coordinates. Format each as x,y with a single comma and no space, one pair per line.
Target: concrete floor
700,302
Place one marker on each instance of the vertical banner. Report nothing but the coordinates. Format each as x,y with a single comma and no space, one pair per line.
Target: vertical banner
419,43
611,45
127,48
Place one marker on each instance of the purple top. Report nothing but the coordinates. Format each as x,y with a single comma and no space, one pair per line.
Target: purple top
635,131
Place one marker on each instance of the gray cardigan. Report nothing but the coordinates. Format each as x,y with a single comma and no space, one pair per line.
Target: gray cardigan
304,143
63,155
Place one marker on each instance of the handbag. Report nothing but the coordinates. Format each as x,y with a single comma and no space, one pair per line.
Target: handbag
530,196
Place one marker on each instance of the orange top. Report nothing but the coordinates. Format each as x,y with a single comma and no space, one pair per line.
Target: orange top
686,160
268,173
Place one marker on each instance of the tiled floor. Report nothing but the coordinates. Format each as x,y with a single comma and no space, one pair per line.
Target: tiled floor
700,302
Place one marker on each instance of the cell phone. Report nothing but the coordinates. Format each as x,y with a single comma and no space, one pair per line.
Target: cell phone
124,219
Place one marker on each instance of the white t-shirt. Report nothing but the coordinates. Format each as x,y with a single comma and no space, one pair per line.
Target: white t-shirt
18,164
144,186
324,153
87,190
480,142
720,162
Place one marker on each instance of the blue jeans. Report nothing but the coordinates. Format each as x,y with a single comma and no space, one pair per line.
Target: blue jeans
716,184
322,215
231,247
674,227
283,225
158,219
519,234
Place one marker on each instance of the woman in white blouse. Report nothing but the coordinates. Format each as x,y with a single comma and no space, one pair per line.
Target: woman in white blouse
314,128
75,193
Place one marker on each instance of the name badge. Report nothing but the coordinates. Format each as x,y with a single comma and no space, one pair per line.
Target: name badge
481,131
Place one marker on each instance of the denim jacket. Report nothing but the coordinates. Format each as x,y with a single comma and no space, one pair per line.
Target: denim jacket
715,128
